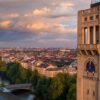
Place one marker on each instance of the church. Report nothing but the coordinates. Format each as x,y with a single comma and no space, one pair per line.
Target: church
88,77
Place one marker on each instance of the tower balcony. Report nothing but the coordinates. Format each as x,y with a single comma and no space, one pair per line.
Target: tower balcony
88,46
89,49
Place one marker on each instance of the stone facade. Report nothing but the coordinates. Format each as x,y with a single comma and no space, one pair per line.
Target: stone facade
88,78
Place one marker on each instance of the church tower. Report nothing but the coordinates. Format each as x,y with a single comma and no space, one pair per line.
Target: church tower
88,77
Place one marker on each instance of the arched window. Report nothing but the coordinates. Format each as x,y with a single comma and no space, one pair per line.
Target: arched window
90,67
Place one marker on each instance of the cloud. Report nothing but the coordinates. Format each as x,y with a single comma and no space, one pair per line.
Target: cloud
11,35
62,9
38,26
42,23
41,43
13,15
41,12
5,24
67,4
5,16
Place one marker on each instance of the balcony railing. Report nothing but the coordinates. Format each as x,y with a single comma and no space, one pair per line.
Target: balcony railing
88,46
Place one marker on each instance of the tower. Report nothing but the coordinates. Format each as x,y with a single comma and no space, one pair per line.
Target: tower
88,77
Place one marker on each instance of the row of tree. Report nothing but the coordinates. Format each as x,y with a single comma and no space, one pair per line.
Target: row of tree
60,87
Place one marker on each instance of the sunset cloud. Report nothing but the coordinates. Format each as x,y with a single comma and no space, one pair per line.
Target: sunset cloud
62,9
7,16
37,26
39,23
41,12
5,24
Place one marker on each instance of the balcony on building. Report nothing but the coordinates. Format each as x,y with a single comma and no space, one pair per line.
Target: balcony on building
91,43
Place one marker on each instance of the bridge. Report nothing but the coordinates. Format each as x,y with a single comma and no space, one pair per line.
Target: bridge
20,87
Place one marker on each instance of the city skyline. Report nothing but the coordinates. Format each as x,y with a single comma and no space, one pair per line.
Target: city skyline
39,23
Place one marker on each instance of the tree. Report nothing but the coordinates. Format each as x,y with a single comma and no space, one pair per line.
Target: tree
64,78
71,93
63,85
28,75
23,75
42,87
56,88
34,78
13,72
3,66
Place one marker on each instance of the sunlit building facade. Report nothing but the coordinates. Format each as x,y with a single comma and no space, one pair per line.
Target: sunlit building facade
88,78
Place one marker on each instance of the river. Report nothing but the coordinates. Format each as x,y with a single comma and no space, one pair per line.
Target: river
20,96
26,96
9,96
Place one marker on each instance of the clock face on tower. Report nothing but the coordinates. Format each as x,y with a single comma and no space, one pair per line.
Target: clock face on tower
90,67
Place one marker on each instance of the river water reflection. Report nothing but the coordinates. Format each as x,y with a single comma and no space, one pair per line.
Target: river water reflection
26,96
9,96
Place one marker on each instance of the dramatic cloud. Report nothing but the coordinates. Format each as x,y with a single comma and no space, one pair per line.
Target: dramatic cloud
62,9
39,23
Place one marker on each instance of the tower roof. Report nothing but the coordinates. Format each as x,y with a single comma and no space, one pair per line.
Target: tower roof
95,3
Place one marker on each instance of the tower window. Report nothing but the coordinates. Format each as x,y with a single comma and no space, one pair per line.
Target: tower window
85,19
91,17
85,35
97,34
97,16
91,35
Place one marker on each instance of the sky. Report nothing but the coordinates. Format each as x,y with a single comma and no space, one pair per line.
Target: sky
40,23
